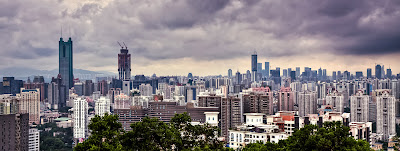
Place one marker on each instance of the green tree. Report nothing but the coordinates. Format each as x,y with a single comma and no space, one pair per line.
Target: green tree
332,136
105,134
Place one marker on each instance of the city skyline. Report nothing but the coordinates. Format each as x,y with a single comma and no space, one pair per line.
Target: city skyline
213,37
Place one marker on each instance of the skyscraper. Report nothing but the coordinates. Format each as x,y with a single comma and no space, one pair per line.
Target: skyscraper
229,73
334,75
359,105
66,63
267,69
124,64
378,72
307,103
389,73
297,71
30,103
324,74
285,73
254,67
385,116
80,118
369,73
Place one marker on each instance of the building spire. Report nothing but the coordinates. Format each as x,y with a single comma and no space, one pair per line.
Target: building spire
61,31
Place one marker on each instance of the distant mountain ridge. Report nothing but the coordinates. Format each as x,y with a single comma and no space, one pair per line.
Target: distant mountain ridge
23,73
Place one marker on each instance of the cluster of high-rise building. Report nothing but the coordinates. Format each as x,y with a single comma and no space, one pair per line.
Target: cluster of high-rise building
259,105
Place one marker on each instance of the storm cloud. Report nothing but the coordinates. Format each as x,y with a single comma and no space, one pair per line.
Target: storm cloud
212,31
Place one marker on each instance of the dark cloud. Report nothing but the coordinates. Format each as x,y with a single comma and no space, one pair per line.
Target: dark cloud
202,30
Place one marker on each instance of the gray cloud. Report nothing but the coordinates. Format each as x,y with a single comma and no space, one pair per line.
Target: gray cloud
201,30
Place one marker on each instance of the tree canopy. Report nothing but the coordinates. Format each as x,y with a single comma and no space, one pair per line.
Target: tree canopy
151,134
332,136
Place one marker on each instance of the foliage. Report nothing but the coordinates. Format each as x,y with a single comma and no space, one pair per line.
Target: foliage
64,109
150,134
55,139
105,134
332,136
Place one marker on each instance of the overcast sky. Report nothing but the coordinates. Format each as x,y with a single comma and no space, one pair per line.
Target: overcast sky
205,37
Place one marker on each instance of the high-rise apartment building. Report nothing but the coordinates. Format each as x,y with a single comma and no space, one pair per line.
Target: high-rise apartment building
38,83
385,116
258,103
34,140
102,106
389,73
285,99
9,104
124,64
334,75
14,132
336,100
80,118
307,103
145,90
231,114
359,107
30,103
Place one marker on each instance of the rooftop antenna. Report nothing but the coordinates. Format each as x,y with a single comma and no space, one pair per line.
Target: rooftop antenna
61,31
125,45
120,45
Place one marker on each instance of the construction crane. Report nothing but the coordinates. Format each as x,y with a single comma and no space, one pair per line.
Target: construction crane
125,45
120,45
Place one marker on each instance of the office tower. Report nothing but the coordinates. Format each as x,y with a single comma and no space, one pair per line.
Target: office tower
145,89
297,71
38,83
231,114
307,103
293,75
238,78
14,132
336,100
124,64
378,71
190,94
359,74
369,73
34,139
267,69
389,73
334,75
285,73
88,88
359,106
259,67
229,73
339,76
289,70
102,106
30,103
324,74
385,116
9,104
254,67
319,74
102,86
56,93
383,72
248,75
66,64
278,72
10,86
285,99
80,118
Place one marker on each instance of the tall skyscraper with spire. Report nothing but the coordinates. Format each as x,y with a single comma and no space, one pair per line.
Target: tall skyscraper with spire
124,64
66,66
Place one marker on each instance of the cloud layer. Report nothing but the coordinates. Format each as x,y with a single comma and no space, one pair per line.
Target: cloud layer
178,36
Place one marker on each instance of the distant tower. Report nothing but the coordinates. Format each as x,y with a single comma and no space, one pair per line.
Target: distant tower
66,66
378,71
254,66
124,64
66,62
